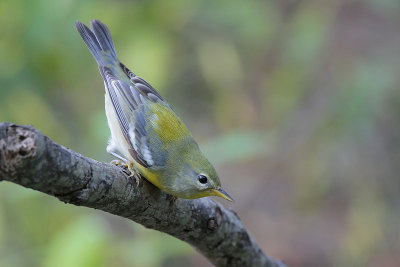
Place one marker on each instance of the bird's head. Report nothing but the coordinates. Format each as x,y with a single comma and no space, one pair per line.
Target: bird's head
197,177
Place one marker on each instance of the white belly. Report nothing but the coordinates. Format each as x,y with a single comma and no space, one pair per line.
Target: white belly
117,142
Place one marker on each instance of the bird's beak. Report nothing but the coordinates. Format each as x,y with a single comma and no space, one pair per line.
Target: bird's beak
221,193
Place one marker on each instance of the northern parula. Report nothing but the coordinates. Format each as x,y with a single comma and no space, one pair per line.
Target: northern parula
145,132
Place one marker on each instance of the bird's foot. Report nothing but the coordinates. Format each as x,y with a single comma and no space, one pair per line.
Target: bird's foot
134,174
118,162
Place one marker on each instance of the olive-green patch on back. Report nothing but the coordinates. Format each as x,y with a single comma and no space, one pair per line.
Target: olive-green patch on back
166,124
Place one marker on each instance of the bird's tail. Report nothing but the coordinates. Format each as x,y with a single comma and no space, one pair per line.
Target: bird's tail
99,41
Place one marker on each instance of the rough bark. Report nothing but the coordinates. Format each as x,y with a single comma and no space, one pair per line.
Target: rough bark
30,159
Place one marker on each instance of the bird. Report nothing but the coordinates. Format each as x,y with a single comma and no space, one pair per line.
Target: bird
146,134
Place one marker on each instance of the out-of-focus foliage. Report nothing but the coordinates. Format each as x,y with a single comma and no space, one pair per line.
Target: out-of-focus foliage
297,103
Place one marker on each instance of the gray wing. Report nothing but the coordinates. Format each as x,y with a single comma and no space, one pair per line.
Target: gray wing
129,97
129,94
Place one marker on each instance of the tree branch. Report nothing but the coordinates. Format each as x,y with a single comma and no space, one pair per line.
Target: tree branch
30,159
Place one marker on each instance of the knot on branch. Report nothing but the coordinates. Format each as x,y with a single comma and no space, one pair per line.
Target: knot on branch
16,144
215,221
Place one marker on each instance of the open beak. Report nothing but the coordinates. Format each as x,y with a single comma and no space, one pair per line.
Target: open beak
221,193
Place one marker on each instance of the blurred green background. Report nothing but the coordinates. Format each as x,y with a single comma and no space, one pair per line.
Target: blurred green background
296,102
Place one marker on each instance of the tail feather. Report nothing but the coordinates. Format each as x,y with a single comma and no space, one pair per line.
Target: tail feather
99,41
103,35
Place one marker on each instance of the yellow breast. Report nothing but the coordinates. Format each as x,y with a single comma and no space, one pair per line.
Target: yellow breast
152,176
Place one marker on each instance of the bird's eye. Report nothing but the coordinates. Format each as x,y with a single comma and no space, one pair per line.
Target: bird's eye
202,179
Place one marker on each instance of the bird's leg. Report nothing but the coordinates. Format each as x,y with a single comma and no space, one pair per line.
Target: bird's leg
120,161
134,173
124,163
